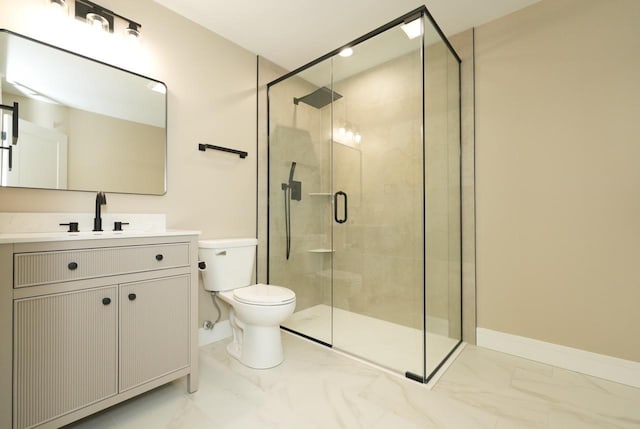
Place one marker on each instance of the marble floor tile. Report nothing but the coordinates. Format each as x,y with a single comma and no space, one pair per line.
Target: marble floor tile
522,393
316,388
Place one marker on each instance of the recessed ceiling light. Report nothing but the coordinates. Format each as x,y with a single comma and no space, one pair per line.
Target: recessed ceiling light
413,29
157,87
346,52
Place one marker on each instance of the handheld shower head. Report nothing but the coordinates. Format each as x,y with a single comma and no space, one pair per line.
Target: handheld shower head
291,172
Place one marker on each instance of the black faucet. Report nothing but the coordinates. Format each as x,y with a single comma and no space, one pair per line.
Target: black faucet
101,199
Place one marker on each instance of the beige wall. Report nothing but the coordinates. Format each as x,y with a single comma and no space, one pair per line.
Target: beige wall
212,99
558,182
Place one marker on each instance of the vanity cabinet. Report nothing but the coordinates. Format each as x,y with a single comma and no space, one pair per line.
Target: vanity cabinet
94,322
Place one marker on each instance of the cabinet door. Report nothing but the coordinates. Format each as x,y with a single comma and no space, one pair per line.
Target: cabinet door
64,353
154,329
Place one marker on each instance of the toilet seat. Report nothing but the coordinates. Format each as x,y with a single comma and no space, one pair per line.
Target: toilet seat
262,294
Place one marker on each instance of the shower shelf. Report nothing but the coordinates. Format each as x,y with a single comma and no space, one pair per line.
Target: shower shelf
320,250
320,194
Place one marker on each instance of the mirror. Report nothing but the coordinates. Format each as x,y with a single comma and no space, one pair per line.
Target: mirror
82,125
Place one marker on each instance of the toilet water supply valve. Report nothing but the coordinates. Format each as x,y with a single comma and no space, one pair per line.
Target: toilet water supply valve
208,324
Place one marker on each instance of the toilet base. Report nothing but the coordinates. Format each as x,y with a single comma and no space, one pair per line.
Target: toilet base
261,347
258,347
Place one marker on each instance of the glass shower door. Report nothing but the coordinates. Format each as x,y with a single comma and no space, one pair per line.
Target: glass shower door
378,235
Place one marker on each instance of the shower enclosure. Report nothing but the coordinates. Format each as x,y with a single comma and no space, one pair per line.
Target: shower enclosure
364,196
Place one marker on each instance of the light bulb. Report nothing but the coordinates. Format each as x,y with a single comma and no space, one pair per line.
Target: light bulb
59,4
357,138
346,52
132,31
98,22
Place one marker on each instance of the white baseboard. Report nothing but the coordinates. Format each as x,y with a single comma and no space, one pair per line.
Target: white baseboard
219,332
594,364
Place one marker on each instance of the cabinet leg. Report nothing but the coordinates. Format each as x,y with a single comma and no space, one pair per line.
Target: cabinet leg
192,383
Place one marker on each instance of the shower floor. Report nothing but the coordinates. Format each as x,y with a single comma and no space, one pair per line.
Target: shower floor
384,343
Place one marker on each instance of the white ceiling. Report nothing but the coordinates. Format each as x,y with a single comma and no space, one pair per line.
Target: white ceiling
292,33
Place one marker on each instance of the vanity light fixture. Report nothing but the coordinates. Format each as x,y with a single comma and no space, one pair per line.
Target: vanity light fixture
413,28
102,18
346,52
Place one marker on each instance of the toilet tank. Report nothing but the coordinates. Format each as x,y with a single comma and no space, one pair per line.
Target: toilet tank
229,262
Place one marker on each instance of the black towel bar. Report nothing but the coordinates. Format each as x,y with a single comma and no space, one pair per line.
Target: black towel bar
203,147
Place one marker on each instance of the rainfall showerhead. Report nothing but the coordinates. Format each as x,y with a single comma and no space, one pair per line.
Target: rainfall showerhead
318,98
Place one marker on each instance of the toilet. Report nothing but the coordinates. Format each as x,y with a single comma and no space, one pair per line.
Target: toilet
256,311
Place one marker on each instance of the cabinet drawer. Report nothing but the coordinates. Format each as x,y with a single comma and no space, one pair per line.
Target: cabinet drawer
32,269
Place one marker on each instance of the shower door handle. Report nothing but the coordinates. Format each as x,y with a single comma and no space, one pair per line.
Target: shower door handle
335,207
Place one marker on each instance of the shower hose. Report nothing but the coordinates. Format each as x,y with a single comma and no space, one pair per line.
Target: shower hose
287,218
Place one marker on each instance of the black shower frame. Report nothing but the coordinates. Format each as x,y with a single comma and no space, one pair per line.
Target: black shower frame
414,14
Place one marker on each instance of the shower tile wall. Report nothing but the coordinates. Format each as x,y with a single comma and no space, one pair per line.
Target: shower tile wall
379,257
385,215
379,269
299,133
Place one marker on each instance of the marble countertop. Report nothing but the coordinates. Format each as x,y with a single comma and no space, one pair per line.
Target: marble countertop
36,237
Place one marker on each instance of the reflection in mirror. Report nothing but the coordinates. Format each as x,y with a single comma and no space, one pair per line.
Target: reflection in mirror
83,125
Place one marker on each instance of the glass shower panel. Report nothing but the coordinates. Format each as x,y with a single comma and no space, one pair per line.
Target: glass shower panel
378,236
300,256
442,176
364,197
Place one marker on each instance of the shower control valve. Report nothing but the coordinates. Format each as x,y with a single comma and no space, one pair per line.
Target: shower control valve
296,190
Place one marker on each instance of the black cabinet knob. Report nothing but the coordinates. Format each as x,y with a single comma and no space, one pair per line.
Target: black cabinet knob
72,266
106,301
132,297
159,257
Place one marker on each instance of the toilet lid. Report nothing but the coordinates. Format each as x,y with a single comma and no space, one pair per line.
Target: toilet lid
262,294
